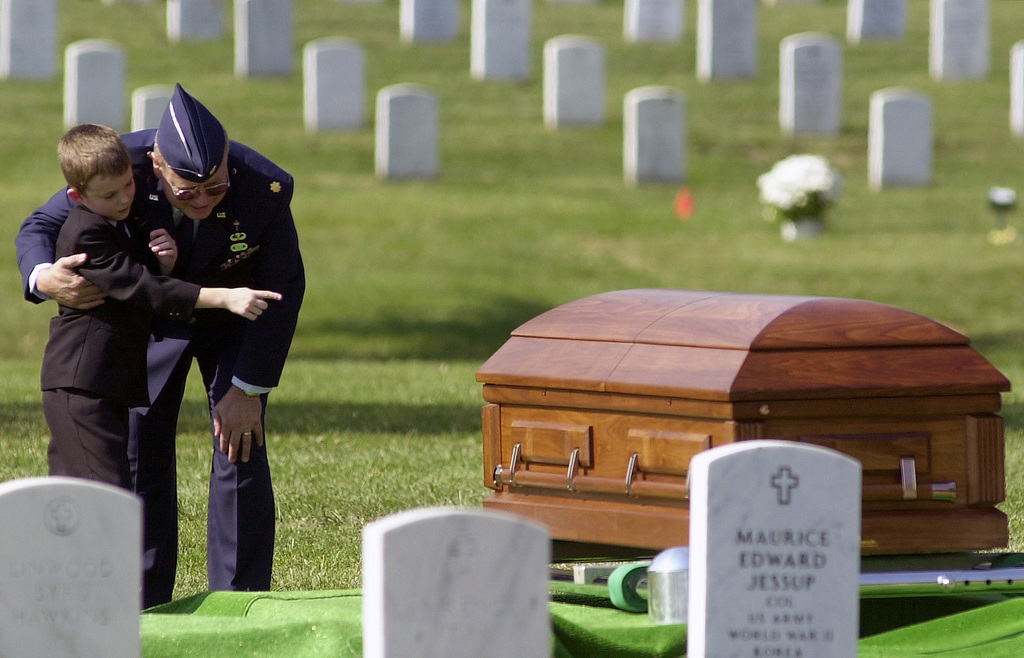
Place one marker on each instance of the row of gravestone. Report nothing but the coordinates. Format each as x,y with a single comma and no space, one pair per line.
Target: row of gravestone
774,564
407,116
501,32
574,94
263,34
810,73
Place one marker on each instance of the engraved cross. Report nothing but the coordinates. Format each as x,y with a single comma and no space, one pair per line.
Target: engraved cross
784,481
61,519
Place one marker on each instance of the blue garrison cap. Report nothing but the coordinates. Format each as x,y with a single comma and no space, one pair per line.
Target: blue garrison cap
191,139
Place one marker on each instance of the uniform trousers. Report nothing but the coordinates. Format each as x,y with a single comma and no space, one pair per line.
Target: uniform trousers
240,514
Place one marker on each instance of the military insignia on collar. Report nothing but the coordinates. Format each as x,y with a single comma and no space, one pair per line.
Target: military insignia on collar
275,187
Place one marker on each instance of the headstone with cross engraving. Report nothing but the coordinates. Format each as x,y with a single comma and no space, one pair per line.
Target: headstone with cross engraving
70,569
774,551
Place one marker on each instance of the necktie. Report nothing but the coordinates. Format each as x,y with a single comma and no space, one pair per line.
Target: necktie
183,233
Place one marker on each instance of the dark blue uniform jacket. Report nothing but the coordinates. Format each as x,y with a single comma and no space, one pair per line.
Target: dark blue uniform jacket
249,240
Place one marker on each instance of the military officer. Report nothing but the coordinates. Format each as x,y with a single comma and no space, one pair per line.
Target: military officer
229,210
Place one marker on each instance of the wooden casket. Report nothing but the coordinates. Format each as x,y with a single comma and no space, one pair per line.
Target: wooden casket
595,408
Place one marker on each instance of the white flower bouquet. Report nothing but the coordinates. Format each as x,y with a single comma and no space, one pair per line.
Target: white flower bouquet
800,186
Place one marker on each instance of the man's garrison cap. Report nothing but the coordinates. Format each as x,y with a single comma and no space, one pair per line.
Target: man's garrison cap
191,139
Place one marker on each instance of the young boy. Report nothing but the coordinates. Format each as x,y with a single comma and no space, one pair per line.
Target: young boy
94,366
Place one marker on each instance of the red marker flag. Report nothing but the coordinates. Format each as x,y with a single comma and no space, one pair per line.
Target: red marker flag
684,203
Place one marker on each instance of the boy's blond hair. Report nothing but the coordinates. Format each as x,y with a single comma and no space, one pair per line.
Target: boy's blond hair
89,150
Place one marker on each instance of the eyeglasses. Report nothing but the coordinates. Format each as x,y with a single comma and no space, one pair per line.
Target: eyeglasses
186,193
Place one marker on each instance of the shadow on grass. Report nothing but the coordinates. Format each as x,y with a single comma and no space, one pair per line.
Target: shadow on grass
300,418
473,333
312,418
373,418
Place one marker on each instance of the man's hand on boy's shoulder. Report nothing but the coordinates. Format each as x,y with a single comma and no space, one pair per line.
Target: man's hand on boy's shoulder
62,283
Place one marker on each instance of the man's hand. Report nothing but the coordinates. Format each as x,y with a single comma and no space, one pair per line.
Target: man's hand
236,422
165,248
62,283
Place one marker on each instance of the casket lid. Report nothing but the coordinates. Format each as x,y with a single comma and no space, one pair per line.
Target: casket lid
733,346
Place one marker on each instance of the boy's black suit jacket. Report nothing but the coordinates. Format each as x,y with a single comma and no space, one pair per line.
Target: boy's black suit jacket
103,350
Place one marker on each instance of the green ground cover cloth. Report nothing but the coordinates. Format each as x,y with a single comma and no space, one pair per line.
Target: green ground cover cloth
256,624
584,625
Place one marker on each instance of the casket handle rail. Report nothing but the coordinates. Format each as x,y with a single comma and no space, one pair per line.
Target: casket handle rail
573,481
909,489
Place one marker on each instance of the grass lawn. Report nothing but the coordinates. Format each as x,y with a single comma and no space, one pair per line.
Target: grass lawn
413,285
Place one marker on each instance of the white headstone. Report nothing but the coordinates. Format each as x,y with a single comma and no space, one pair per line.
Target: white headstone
70,569
28,39
194,20
959,37
428,20
447,582
900,138
654,136
407,133
774,551
148,105
875,19
653,20
500,39
1017,89
263,37
810,84
94,83
726,39
333,84
574,82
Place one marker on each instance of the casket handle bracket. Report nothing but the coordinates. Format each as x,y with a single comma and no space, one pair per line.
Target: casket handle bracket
570,475
513,462
908,477
630,472
499,471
